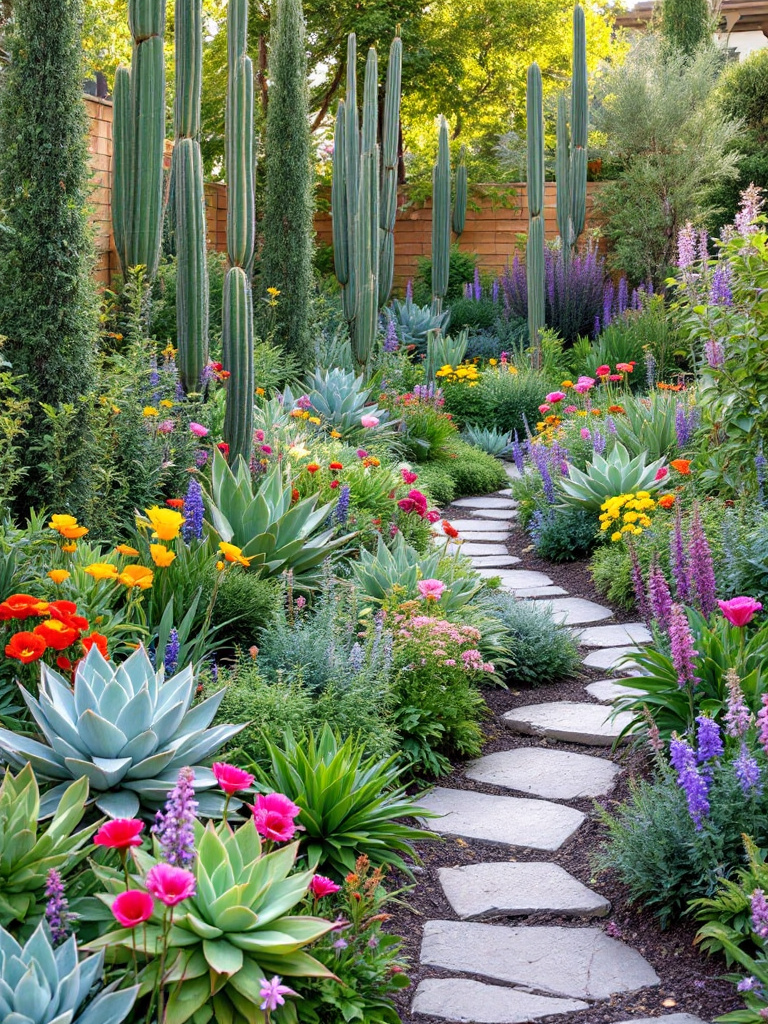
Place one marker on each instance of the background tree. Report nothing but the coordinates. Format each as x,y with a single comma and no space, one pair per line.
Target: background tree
46,290
286,256
686,24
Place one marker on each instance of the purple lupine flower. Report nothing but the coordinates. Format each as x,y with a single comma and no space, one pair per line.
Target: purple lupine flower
341,512
391,343
680,754
154,375
720,293
686,246
759,914
702,569
635,300
194,512
738,717
171,659
703,246
637,584
175,826
477,289
659,596
409,290
201,457
356,657
539,458
749,210
650,370
690,780
207,374
714,352
680,566
607,303
610,424
598,442
762,723
622,296
517,455
747,771
686,422
495,292
709,742
57,913
682,647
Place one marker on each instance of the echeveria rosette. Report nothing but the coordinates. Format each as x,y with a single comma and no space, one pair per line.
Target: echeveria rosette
126,729
43,985
233,932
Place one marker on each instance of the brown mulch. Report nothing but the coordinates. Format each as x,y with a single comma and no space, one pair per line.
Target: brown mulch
690,982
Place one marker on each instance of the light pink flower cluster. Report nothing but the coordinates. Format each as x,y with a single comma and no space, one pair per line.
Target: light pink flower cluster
442,642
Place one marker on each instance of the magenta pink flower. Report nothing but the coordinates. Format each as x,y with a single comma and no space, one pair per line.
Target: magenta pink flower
170,885
273,992
543,408
133,907
431,590
259,435
432,516
555,396
120,833
585,434
273,815
740,610
571,408
230,778
661,473
321,886
408,476
369,421
584,384
198,429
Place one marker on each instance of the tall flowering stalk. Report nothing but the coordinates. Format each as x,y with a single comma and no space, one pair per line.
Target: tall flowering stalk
194,512
738,717
690,780
702,569
659,596
57,913
680,564
175,826
682,647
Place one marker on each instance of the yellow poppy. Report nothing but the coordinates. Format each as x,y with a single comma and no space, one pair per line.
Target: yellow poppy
59,521
161,555
73,532
165,522
69,548
102,571
136,576
149,410
126,549
58,575
232,553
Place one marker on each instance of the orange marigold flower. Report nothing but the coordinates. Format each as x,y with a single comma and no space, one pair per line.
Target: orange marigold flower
682,466
25,647
616,408
667,501
95,640
161,555
58,575
137,576
335,466
175,502
126,549
57,635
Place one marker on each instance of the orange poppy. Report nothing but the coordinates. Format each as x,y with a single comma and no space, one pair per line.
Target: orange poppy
175,502
66,612
25,647
73,532
64,663
95,640
126,549
137,576
667,501
312,467
22,606
448,530
682,466
57,634
335,466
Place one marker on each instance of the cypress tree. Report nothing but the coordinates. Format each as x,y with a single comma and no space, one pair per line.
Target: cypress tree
286,261
47,310
686,24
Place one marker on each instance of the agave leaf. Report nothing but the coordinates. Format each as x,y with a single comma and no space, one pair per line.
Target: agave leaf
118,803
140,747
223,957
202,928
136,715
101,738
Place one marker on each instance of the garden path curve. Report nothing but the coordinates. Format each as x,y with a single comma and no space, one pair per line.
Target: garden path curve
507,973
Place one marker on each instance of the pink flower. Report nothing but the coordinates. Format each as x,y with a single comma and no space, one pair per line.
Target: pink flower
170,885
431,590
661,473
120,833
273,816
433,515
272,993
603,371
414,502
133,907
585,433
614,376
259,435
584,384
198,429
266,449
321,886
408,476
166,427
369,421
543,408
362,453
571,408
740,610
230,778
555,396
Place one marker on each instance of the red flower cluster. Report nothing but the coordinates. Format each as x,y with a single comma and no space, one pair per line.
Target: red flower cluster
60,629
417,502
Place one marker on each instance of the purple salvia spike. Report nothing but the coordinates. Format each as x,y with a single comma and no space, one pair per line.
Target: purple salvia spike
702,567
679,559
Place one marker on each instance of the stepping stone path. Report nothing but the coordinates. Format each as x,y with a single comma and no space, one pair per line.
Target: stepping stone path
517,974
607,690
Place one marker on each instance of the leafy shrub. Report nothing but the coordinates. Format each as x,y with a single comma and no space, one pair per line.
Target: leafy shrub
461,269
474,471
541,650
474,314
563,535
466,404
730,909
265,709
435,479
247,605
427,432
351,804
511,399
611,571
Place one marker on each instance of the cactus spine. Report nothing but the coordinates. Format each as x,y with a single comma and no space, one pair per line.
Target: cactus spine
571,162
139,133
189,199
237,318
364,197
534,261
441,218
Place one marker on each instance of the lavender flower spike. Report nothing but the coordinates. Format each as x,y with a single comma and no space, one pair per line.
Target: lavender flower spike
680,566
738,717
702,567
690,780
747,771
682,647
659,596
194,512
175,826
759,914
57,912
708,739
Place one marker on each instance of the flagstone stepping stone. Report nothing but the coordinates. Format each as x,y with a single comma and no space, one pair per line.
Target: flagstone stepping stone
670,1018
493,561
552,774
472,1002
577,611
474,547
540,592
512,471
496,513
583,963
485,501
505,492
610,658
516,578
530,824
568,721
608,690
618,635
475,525
479,890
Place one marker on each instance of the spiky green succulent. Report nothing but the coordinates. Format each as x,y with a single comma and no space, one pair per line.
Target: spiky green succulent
609,476
125,728
341,399
27,853
415,322
235,931
43,985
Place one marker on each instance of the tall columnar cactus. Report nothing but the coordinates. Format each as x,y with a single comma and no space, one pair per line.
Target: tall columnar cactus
571,162
237,318
139,134
189,199
364,199
535,250
460,198
441,218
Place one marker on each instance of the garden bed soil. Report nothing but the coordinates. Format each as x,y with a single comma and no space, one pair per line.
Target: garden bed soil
690,982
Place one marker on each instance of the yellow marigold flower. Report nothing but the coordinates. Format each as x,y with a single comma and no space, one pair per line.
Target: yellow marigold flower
615,536
73,532
274,292
69,548
169,351
166,403
149,410
493,362
645,521
232,553
58,575
315,420
220,566
58,521
566,383
629,528
165,522
161,555
102,571
126,549
511,368
260,391
137,576
606,525
335,434
643,494
630,517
